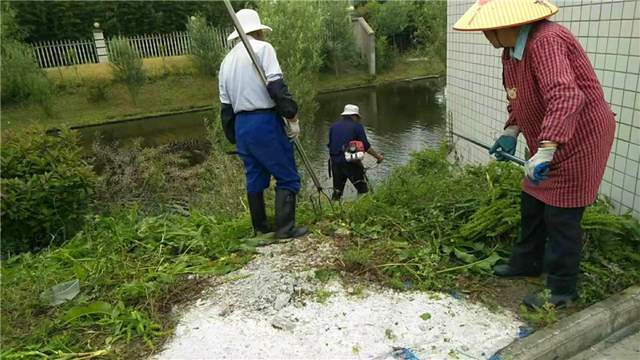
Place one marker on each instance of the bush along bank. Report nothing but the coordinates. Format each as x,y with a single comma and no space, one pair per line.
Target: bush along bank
438,226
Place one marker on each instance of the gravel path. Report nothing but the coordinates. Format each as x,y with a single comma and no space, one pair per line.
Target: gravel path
275,308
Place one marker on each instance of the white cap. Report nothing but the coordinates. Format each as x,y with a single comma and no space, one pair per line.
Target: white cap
250,22
350,109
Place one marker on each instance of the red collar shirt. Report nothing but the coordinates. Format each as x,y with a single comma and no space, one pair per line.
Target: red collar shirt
554,95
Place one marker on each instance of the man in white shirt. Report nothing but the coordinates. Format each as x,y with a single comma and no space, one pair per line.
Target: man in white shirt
251,115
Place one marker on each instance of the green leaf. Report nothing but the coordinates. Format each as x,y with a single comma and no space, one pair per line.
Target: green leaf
464,256
99,307
426,316
488,263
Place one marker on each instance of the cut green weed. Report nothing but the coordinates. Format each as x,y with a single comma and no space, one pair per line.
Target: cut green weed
544,316
388,333
322,296
434,225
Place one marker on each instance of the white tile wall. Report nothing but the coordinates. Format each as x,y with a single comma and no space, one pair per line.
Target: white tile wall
610,33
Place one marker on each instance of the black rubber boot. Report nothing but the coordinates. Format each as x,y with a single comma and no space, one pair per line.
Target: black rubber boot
559,301
258,213
563,291
286,216
507,270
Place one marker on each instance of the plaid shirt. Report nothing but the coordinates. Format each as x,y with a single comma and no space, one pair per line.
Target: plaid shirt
554,95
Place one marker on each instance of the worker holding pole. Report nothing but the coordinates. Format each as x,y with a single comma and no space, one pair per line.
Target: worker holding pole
557,103
251,116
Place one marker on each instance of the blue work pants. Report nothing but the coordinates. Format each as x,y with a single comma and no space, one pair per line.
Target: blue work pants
265,150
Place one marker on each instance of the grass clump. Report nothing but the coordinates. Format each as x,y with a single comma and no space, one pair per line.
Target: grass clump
435,226
131,270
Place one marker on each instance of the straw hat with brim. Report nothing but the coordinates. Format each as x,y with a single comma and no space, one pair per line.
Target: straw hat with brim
500,14
250,22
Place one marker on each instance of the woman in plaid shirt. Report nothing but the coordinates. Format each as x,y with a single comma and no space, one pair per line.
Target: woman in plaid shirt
557,103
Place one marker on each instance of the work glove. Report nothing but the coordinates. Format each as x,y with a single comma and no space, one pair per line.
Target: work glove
506,142
538,166
380,159
293,130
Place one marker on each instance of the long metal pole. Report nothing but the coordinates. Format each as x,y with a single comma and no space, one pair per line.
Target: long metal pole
254,60
508,156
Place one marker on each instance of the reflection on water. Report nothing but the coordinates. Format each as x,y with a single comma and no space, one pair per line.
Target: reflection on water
399,118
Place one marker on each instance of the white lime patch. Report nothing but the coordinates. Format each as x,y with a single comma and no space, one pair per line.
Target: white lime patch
270,310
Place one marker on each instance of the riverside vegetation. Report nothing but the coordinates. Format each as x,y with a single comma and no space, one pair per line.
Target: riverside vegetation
92,93
432,225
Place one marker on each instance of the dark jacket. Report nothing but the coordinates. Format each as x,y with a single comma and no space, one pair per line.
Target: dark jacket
341,133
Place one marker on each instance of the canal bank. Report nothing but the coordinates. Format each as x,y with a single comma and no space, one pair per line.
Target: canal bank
400,118
74,106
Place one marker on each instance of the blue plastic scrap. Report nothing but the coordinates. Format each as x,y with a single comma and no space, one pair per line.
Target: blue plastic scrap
456,294
404,353
524,331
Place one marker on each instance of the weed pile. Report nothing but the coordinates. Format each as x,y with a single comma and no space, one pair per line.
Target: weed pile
131,269
434,223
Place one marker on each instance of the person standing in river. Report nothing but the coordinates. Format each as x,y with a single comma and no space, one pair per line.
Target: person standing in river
347,144
251,115
557,103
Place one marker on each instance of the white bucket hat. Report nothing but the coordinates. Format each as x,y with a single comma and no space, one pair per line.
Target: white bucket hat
250,22
350,109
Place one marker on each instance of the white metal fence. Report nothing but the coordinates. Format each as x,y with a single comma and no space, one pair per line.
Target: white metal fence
65,53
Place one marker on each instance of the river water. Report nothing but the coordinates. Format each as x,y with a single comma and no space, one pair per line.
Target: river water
399,118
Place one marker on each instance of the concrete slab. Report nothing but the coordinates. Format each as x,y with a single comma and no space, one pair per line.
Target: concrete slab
623,345
627,349
580,331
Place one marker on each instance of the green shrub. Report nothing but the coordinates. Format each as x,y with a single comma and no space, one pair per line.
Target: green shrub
384,53
46,188
127,65
22,78
206,48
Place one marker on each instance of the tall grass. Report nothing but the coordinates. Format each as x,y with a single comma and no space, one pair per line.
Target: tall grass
131,270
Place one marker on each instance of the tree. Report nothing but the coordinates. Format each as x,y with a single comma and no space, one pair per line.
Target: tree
339,47
206,48
297,27
390,18
69,20
431,30
127,65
